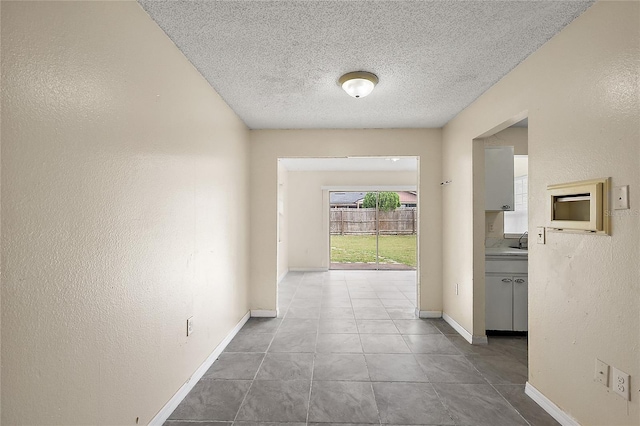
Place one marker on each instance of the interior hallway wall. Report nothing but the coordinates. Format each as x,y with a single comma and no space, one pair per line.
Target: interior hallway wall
269,145
283,222
583,101
124,212
308,210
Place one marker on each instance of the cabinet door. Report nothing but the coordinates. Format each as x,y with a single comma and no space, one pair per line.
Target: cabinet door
498,302
520,303
498,171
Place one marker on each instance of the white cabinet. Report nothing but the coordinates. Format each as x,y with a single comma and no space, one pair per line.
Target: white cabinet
498,302
520,302
506,288
498,170
506,302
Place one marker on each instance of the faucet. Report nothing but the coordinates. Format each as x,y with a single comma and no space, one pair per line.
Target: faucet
521,237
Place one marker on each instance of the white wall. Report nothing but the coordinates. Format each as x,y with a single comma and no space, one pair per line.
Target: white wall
581,93
269,145
308,210
124,199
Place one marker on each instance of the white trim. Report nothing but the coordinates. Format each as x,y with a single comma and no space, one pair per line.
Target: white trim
176,399
263,313
308,269
428,314
367,188
281,277
474,340
547,405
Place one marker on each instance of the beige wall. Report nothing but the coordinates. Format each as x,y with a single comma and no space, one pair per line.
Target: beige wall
283,222
269,145
581,93
517,137
309,207
1,273
124,198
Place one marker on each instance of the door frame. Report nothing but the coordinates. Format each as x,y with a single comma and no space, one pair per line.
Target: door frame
479,334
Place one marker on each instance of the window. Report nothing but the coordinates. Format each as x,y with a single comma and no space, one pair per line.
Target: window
516,222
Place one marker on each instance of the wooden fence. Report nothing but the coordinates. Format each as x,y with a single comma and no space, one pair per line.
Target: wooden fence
402,221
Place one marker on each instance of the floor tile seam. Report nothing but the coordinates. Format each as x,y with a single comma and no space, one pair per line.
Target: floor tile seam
446,407
375,401
413,355
453,383
257,371
509,404
484,377
313,368
260,366
458,351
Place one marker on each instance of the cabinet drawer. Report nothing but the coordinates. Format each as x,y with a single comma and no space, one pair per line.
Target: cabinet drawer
506,266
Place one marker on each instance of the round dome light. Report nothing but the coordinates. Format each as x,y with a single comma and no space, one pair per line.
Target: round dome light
358,84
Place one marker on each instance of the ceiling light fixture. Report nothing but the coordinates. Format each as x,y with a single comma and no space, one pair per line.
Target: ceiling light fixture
358,84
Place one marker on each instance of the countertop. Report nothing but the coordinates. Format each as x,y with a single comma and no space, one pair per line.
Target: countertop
506,251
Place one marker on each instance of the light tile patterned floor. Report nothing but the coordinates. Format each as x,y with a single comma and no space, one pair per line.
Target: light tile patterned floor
347,349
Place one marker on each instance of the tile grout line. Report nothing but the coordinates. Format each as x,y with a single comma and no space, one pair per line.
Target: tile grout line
496,390
439,332
510,405
235,419
449,411
313,360
367,367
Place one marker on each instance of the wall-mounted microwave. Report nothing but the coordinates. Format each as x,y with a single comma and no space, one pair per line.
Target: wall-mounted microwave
580,206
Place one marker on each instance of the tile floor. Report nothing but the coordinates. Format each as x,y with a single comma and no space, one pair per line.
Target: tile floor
347,349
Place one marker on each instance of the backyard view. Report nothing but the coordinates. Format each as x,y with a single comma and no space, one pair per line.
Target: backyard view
374,230
394,249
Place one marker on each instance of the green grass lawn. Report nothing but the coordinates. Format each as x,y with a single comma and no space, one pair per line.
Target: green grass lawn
362,248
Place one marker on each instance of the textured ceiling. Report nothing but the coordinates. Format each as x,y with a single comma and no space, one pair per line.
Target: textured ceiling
276,63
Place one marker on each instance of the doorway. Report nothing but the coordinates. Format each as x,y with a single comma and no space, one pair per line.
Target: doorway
304,189
500,256
373,230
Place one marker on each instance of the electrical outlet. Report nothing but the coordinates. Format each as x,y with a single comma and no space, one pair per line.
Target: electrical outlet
621,383
540,233
189,326
491,227
602,373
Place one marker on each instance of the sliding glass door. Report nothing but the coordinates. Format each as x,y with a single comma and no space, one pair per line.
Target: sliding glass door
373,230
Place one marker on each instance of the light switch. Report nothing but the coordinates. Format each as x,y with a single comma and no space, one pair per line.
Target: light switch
540,234
621,197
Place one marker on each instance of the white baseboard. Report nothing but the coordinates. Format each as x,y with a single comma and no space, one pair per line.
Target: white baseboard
547,405
168,408
428,314
474,340
263,313
308,269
